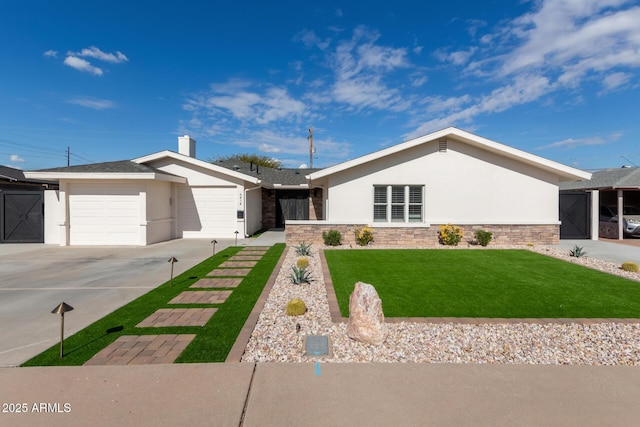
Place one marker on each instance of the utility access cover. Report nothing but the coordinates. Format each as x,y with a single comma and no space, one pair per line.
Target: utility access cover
317,345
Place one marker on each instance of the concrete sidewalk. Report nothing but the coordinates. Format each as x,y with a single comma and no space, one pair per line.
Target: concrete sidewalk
233,394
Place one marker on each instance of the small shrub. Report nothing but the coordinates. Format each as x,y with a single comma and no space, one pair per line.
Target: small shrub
302,262
363,235
300,276
450,235
303,249
332,238
483,237
577,251
296,307
629,266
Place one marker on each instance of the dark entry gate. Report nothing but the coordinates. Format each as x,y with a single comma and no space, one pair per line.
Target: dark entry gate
575,215
21,217
291,204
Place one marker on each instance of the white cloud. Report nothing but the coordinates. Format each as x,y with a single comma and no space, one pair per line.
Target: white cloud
96,104
51,53
94,52
82,65
560,45
571,143
16,159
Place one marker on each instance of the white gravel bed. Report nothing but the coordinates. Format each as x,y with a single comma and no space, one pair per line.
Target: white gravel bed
275,338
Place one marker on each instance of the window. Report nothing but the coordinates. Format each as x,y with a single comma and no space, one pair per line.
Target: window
406,202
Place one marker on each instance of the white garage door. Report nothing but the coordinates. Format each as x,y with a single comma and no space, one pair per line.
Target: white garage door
107,214
207,212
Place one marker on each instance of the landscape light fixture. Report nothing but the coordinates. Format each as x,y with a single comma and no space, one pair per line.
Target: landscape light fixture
236,237
61,309
214,241
172,260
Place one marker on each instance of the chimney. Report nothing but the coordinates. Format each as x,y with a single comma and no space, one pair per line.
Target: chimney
187,146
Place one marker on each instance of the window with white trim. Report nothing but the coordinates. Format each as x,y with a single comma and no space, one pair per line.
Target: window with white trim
398,203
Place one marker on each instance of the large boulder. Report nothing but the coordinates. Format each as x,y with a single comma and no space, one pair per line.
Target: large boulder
366,320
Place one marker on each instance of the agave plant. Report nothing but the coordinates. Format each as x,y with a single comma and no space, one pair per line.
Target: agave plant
300,276
303,249
577,251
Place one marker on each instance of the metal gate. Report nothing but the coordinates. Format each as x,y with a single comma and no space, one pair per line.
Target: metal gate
21,217
575,215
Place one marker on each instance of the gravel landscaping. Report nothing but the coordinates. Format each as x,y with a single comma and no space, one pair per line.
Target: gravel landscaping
276,337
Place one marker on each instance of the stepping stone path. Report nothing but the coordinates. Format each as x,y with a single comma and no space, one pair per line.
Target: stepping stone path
178,317
142,350
217,283
201,297
165,348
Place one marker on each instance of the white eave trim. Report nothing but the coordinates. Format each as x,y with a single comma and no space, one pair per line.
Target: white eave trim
206,165
566,173
55,176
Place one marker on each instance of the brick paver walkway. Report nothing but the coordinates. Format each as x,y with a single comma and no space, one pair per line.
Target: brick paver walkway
238,264
142,350
217,283
223,272
245,258
178,317
201,297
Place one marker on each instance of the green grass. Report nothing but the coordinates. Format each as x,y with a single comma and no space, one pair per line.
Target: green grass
481,283
212,342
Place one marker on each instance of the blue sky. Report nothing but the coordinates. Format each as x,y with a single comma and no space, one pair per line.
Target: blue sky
117,80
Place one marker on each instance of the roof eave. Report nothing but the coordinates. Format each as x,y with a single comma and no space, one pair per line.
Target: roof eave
57,176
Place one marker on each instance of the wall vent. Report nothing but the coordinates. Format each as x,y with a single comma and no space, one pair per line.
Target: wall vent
442,146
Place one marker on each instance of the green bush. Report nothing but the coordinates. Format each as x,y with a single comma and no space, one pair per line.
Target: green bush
483,237
300,276
629,266
296,307
363,235
450,235
332,238
302,262
303,249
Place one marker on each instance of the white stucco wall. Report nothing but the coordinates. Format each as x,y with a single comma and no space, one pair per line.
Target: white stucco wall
52,217
253,210
158,211
464,185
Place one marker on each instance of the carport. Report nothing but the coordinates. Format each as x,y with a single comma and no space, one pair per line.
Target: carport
580,201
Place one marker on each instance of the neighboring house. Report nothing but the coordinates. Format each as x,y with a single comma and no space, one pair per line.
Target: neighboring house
404,192
21,207
580,202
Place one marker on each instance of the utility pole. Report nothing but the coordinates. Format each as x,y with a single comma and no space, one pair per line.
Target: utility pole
68,156
310,148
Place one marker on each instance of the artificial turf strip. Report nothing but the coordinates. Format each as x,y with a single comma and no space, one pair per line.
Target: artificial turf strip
213,341
481,283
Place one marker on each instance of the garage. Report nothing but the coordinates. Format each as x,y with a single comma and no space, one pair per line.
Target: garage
207,212
104,214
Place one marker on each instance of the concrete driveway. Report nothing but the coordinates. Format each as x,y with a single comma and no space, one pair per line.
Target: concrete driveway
94,280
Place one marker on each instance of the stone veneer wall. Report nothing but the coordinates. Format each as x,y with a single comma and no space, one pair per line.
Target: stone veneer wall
548,234
315,204
268,208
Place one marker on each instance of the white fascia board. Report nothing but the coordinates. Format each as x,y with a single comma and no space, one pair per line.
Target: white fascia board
291,186
565,172
55,176
200,163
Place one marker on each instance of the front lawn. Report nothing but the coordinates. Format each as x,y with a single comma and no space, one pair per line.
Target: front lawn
481,283
213,341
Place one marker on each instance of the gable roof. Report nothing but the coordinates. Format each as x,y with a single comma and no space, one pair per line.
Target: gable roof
614,179
193,161
564,172
270,177
123,169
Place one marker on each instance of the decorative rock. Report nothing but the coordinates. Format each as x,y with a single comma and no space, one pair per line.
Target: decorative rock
366,320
